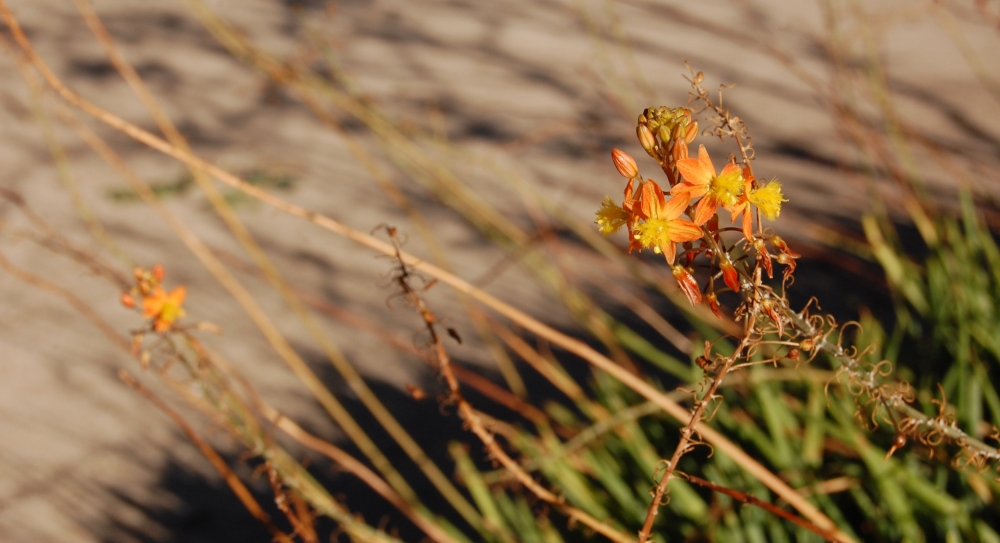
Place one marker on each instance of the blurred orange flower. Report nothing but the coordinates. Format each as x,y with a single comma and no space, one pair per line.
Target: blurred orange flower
164,308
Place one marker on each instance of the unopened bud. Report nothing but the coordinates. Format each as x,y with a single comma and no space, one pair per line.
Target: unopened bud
692,131
680,132
663,132
127,300
807,345
159,272
699,77
137,273
793,354
680,150
624,163
646,138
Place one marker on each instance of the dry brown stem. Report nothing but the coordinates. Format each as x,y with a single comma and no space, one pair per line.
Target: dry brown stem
70,298
220,465
771,508
690,429
473,419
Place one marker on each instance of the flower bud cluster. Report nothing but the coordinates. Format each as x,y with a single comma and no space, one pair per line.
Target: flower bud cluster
657,127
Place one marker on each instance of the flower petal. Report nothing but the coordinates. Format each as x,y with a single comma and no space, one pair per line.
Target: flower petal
178,295
705,209
652,199
684,230
731,169
748,225
670,251
153,304
697,171
676,206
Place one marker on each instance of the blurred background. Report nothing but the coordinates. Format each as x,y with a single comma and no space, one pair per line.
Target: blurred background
857,107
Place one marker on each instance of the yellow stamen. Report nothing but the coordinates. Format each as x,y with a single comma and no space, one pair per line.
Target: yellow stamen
727,187
610,217
768,199
654,233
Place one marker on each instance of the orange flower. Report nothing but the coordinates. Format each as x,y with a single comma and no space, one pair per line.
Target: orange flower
767,198
611,217
663,228
700,179
164,308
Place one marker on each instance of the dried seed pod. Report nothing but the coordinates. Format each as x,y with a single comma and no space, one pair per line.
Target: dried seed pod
770,309
703,363
729,274
416,392
780,245
793,354
687,284
897,443
763,256
624,163
713,303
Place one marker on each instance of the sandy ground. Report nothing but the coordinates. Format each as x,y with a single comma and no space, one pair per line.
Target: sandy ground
525,84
